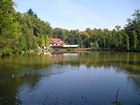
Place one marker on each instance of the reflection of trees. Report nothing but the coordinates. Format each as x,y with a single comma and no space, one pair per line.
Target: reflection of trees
12,77
8,88
8,93
129,61
13,66
9,84
10,80
136,79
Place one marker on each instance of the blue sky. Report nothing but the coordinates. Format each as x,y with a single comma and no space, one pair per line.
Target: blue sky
81,14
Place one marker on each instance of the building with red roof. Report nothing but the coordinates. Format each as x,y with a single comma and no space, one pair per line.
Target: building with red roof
56,42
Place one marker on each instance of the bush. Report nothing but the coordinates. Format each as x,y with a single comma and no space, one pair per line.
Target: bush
1,54
6,51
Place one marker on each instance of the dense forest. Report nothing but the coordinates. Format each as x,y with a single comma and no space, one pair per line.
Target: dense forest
22,32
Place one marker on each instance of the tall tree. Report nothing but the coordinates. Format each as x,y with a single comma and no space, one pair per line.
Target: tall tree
127,42
118,28
42,41
9,27
134,40
120,39
133,25
8,23
47,42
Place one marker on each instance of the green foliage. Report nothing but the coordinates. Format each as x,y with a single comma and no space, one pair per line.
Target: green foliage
47,43
120,40
7,51
25,31
73,37
18,31
96,45
134,40
103,41
60,33
127,42
8,24
42,41
30,12
133,30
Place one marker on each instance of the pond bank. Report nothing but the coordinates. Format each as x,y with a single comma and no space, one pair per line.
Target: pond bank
41,51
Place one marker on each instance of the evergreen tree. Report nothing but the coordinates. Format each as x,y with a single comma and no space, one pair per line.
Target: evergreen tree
30,12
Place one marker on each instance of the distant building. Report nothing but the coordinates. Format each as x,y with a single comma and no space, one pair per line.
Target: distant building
58,43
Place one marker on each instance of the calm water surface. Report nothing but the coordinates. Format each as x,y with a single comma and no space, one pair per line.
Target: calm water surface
70,79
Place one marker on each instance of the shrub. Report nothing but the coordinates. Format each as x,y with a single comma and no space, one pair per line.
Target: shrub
7,51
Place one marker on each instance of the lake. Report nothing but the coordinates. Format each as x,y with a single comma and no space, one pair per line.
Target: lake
91,78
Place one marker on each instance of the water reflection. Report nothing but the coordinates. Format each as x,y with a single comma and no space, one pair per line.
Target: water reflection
129,61
70,79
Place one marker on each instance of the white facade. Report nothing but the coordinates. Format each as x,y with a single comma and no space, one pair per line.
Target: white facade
70,46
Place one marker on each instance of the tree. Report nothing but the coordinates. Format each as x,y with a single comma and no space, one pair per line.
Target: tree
114,42
73,37
127,41
134,40
134,25
47,42
9,28
30,12
84,39
8,24
118,28
60,33
25,31
57,32
42,41
120,38
33,29
102,41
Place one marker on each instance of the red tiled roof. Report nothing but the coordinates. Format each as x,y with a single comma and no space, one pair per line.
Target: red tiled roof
56,41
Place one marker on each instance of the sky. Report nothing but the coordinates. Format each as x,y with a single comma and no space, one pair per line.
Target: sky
81,14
